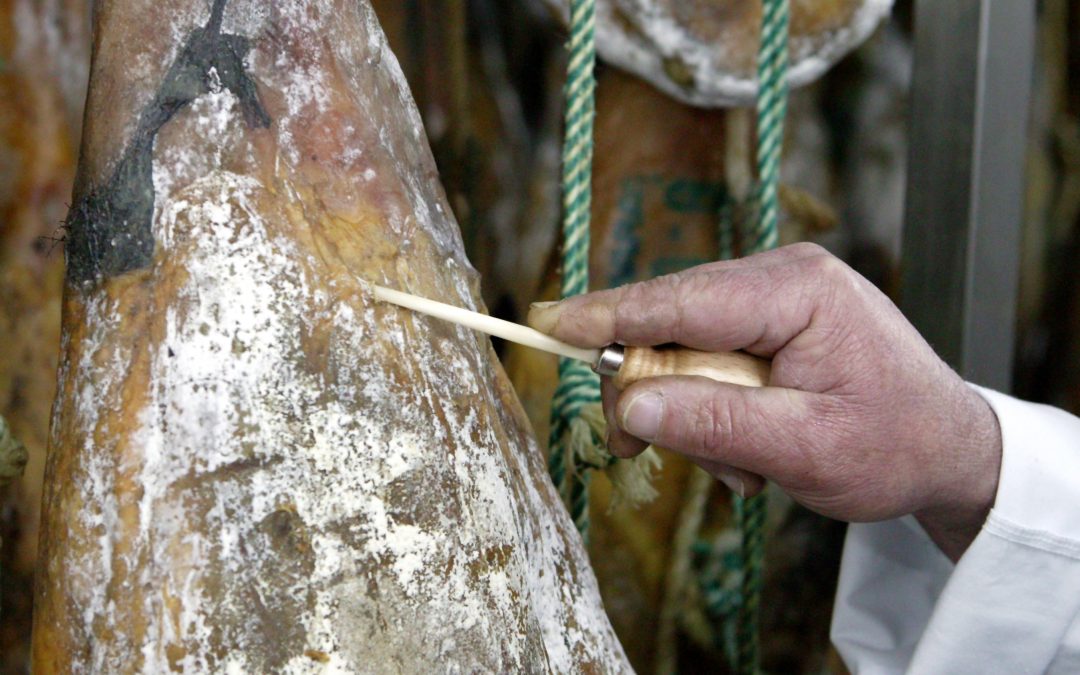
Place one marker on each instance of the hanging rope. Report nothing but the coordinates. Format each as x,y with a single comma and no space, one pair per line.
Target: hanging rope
578,385
771,109
577,437
576,442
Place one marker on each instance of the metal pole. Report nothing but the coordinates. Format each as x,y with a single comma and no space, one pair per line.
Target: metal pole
961,242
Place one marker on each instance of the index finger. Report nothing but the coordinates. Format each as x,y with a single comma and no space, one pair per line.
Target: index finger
756,303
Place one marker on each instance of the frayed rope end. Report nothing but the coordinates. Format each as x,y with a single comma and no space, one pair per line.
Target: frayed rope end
631,479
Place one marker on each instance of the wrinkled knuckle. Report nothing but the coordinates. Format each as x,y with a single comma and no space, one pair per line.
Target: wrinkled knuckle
685,302
638,296
827,266
648,310
671,286
573,323
626,306
713,426
807,249
829,282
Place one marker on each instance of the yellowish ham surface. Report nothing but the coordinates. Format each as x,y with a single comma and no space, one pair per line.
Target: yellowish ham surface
253,468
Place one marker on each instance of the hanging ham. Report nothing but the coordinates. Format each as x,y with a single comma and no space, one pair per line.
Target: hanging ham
253,468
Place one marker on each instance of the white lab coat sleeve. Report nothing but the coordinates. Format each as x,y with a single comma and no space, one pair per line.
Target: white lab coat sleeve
1011,603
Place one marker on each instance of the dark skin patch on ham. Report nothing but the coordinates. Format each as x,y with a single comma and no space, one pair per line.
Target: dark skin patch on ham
109,228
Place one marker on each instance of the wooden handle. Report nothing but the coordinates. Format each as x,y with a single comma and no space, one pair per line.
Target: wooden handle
730,367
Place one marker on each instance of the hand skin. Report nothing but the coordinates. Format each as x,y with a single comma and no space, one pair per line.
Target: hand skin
861,420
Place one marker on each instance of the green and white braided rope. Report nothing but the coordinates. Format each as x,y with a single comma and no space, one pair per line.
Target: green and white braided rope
577,421
578,385
578,388
771,110
578,147
573,432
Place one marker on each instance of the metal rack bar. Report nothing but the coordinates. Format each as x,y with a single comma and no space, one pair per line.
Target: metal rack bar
961,243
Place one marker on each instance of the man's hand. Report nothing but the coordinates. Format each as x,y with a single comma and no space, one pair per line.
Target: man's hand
861,420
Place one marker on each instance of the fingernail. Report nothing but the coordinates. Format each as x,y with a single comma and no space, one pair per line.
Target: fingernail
544,315
642,416
733,483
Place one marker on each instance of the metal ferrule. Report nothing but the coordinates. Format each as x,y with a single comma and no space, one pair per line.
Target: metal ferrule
611,359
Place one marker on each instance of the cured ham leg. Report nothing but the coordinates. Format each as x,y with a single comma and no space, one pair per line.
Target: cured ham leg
253,468
704,52
44,57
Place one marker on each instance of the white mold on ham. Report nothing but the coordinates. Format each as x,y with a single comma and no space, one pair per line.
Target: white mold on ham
253,468
703,52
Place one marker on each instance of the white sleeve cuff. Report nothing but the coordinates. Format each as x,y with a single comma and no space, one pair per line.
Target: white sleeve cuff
1009,602
891,577
1039,489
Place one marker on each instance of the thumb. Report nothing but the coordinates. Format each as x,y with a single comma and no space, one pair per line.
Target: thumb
766,431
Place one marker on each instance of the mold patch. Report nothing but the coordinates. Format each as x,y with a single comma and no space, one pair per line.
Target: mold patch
109,228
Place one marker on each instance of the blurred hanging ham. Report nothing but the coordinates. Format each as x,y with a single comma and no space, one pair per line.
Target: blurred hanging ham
457,56
252,467
704,52
44,57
